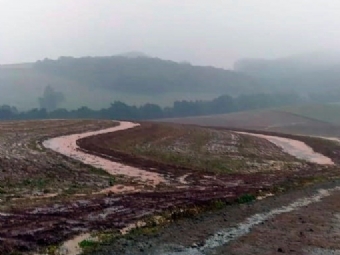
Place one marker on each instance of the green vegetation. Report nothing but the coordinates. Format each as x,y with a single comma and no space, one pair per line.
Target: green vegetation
246,198
120,110
85,244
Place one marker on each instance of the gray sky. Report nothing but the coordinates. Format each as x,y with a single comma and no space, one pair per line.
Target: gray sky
205,32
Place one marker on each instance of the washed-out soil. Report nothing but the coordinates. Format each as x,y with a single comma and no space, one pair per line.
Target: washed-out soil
313,228
30,227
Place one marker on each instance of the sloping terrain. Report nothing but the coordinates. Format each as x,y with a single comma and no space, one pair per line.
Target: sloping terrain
314,74
199,149
96,82
21,86
323,112
197,165
200,235
28,169
275,120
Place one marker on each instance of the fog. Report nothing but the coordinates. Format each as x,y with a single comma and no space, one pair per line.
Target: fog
203,32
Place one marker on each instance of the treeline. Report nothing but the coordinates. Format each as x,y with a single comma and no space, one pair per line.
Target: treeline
120,110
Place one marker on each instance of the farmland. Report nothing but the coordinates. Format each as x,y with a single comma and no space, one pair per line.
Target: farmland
200,170
283,120
322,112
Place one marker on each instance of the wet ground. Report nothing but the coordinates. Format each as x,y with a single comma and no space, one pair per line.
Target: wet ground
32,227
295,148
304,221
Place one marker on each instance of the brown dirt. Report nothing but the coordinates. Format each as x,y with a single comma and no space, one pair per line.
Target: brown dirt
313,229
28,169
27,227
187,148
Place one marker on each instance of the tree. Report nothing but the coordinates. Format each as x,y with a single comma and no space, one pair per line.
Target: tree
50,99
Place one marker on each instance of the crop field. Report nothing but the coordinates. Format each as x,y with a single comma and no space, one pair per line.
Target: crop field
323,112
199,149
47,198
28,169
292,120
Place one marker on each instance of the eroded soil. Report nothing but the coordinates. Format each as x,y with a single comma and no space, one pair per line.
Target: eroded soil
28,169
188,189
309,224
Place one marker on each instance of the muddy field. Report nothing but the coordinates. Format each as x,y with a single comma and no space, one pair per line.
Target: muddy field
28,169
268,120
70,203
193,149
194,232
312,228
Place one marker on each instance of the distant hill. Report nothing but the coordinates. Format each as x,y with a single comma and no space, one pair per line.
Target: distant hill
148,76
131,77
136,78
133,54
312,73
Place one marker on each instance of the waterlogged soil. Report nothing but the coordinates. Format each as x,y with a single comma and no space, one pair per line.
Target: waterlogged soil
28,169
303,221
188,148
67,145
295,148
31,227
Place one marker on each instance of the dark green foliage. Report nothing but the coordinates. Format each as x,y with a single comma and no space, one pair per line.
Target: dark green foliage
87,243
50,99
120,110
246,198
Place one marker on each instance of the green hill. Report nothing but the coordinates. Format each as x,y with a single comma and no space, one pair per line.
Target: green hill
98,81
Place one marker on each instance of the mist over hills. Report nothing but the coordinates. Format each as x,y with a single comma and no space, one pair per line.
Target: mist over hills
136,78
312,73
131,77
150,76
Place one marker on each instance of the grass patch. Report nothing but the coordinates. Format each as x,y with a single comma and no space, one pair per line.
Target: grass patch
246,198
86,244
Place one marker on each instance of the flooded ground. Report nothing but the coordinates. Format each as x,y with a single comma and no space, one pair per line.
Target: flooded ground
295,148
67,146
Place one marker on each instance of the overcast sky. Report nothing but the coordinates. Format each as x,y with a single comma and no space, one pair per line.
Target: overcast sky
205,32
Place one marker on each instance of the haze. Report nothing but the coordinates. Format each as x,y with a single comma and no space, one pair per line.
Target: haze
202,32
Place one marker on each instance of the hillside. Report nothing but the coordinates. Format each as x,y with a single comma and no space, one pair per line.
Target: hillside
322,112
132,77
315,75
148,76
294,120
